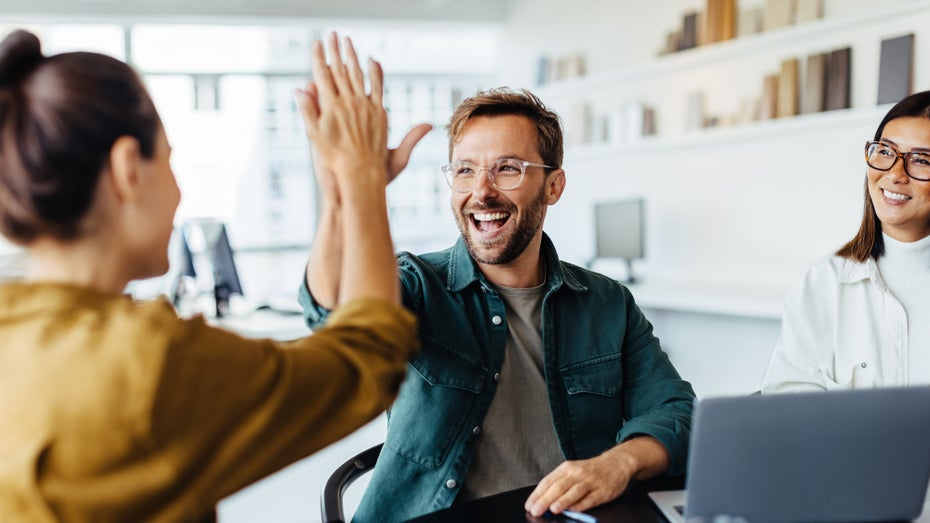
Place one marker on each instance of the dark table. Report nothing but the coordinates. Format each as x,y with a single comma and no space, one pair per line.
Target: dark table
633,506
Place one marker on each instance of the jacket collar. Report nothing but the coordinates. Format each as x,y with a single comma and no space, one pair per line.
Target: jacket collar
463,271
854,271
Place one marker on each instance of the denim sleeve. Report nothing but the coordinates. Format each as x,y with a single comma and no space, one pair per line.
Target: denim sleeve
410,274
314,314
657,401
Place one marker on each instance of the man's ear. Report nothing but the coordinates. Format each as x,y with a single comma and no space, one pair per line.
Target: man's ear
555,184
125,165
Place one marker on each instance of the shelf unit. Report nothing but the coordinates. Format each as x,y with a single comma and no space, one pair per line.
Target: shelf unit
738,206
732,71
675,63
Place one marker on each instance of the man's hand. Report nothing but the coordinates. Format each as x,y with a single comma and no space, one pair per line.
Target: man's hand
343,75
582,484
347,126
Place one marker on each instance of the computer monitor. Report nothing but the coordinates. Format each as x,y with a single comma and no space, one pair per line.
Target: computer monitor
206,241
619,232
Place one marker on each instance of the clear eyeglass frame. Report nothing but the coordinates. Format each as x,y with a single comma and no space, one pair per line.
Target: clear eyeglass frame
505,174
916,160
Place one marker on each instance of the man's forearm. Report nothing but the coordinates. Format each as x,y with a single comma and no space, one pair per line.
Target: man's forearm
369,267
324,268
643,456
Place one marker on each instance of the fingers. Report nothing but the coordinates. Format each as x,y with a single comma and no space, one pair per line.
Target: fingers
577,485
400,156
308,104
337,66
376,75
562,494
356,76
543,495
322,76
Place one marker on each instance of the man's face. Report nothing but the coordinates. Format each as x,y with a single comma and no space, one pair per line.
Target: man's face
497,225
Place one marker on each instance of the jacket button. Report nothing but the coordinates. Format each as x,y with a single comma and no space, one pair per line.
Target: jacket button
476,430
496,320
451,483
497,376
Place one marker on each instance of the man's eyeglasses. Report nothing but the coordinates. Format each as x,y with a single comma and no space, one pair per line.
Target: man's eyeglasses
882,157
505,174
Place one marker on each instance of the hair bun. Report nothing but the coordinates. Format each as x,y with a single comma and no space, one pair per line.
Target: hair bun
20,53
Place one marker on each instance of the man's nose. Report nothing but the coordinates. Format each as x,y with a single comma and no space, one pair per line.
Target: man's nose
483,184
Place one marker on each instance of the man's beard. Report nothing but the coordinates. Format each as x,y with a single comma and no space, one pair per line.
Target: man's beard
513,244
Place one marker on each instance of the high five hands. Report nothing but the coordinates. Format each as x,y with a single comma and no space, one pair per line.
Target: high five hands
342,117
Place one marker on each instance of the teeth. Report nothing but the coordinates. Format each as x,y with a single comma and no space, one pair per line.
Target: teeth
487,217
894,195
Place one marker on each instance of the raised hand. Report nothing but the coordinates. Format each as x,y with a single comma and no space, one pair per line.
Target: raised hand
347,126
309,101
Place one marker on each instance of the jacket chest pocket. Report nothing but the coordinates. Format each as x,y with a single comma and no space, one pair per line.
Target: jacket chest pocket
595,402
435,402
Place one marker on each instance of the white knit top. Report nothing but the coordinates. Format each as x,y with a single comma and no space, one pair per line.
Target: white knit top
905,268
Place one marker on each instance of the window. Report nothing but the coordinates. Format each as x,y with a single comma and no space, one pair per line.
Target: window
225,94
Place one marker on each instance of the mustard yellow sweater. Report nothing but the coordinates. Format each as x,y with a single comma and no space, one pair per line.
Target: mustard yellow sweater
116,410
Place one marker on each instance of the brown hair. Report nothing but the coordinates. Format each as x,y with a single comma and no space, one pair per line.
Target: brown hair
59,117
868,242
505,101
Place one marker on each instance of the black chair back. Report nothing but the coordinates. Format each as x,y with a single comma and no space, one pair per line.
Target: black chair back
331,500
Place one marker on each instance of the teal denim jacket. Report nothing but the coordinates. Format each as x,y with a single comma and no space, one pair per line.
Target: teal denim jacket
608,379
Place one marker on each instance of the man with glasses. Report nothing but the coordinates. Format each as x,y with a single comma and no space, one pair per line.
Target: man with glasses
532,370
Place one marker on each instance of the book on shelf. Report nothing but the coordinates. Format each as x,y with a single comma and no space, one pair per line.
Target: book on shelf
815,84
701,29
688,31
778,13
542,70
750,21
649,121
808,10
672,42
694,111
579,124
787,104
838,77
576,66
720,18
895,70
769,103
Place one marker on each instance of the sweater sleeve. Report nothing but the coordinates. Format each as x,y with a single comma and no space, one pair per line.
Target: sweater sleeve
230,410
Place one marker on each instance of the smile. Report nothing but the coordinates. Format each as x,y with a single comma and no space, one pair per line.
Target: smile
489,221
895,196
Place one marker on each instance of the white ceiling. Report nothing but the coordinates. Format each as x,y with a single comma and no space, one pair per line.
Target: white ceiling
446,10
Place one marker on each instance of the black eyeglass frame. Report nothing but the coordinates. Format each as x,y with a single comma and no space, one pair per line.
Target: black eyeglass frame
905,157
447,171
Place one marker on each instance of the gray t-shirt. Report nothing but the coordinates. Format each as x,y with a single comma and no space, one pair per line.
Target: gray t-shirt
517,445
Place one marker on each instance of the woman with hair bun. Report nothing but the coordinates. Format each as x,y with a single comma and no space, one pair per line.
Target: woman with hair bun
117,410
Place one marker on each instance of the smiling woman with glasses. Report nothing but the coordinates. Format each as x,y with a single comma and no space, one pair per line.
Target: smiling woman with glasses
859,317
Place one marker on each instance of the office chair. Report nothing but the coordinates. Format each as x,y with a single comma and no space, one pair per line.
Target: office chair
344,475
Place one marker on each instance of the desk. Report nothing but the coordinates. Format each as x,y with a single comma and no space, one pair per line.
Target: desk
633,506
265,324
507,507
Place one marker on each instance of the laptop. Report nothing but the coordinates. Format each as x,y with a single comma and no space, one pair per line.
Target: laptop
838,456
